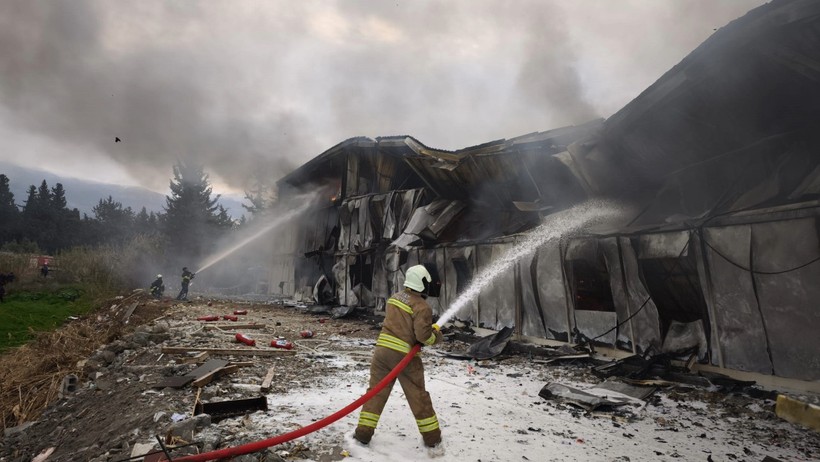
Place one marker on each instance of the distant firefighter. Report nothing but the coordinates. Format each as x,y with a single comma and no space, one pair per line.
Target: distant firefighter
157,287
44,270
5,279
186,279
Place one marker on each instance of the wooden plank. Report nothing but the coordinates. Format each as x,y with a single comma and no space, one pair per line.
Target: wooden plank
175,381
214,374
227,351
268,379
207,368
242,363
199,357
233,326
128,312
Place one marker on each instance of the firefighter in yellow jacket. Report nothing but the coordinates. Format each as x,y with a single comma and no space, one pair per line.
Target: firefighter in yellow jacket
408,320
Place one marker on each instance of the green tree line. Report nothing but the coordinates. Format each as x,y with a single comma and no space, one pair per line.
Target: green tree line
191,220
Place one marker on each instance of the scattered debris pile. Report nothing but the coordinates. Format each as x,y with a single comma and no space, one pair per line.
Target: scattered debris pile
179,384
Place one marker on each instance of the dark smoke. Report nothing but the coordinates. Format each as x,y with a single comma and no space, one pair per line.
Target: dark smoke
62,77
254,89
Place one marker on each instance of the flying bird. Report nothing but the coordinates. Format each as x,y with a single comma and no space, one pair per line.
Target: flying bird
117,139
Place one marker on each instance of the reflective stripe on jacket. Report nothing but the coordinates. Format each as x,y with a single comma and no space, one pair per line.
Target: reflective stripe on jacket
408,320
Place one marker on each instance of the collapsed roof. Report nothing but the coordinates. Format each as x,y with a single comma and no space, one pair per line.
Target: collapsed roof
721,156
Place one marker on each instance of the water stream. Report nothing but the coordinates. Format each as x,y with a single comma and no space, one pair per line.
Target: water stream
275,223
553,227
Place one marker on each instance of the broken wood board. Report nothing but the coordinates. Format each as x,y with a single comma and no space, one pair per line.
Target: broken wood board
226,351
233,326
214,374
242,363
207,368
129,311
268,379
177,381
199,357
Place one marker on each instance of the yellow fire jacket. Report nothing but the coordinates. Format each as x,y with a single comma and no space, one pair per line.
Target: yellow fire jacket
408,320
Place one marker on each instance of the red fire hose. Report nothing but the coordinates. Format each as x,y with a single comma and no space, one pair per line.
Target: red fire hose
284,438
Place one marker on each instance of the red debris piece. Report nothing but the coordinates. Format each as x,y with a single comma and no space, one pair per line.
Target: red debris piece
242,338
229,317
208,318
281,343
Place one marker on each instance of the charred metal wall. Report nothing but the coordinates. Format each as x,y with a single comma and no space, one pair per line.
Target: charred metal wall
764,278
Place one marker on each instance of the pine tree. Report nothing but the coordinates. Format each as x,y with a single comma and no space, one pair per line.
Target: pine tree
193,220
9,213
116,224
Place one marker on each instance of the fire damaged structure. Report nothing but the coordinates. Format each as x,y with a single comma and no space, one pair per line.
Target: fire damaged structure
720,159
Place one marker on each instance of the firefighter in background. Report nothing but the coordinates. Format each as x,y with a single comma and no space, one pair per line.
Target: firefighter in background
157,287
5,279
408,320
44,269
186,279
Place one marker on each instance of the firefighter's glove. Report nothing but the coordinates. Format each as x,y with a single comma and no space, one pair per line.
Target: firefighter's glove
437,333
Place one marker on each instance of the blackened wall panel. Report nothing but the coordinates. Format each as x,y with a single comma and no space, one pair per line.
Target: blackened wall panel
497,299
551,290
645,320
532,321
739,326
789,300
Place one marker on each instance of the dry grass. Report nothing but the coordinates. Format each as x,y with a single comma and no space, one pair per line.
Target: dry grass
34,372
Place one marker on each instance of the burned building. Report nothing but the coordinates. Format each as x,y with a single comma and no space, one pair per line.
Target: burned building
720,159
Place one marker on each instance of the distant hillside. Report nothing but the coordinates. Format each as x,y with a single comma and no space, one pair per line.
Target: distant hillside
84,195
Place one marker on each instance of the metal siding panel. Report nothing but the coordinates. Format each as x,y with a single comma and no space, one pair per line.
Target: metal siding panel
531,314
739,327
497,299
551,288
646,323
620,291
789,300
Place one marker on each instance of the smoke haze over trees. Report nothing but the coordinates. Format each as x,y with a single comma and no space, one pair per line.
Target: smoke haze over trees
191,224
192,218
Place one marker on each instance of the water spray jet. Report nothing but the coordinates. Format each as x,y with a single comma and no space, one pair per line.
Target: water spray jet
552,227
280,220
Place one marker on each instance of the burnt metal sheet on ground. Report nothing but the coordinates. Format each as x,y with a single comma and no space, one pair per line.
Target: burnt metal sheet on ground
580,398
487,347
223,409
789,299
635,391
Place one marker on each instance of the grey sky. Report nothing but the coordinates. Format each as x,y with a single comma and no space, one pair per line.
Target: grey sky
255,88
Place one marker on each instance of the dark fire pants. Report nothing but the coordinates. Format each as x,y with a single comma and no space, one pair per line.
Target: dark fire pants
412,382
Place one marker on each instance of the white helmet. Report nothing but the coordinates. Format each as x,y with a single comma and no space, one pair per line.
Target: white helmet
159,276
415,277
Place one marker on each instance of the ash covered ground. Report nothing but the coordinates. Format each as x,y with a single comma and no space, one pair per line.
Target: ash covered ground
489,410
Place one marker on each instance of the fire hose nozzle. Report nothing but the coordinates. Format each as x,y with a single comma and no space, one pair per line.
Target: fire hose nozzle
436,327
